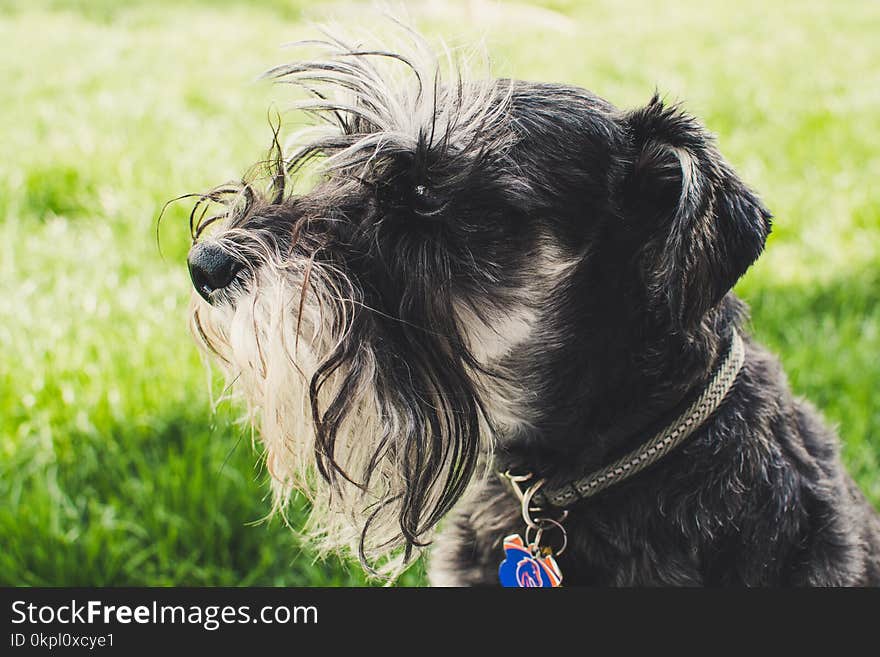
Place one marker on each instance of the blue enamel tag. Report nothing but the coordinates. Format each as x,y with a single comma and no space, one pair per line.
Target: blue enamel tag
522,569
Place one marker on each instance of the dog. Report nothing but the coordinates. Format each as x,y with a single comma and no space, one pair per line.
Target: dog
504,309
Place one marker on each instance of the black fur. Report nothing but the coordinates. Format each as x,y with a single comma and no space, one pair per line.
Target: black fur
659,228
757,496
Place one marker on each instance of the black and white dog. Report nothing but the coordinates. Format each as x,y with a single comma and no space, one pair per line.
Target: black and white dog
504,308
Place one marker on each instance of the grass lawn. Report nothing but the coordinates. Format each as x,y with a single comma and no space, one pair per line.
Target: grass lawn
115,469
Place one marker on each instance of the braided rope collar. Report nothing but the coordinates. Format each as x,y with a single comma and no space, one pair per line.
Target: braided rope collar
652,451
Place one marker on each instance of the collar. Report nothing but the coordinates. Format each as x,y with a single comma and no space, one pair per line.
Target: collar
664,441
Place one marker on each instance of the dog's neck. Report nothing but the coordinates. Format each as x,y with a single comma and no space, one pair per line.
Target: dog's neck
663,437
593,401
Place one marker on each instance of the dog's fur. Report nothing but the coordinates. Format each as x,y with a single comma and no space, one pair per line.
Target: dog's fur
491,275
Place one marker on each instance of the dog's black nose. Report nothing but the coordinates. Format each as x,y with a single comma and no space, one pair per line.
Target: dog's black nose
211,268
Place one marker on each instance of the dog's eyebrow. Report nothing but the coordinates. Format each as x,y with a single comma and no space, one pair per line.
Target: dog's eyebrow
373,112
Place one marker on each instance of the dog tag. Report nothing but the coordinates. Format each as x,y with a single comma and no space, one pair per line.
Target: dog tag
527,566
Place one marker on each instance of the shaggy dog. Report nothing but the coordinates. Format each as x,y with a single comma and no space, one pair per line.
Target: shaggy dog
506,306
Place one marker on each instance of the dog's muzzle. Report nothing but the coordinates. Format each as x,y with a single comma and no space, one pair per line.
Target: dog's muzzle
211,269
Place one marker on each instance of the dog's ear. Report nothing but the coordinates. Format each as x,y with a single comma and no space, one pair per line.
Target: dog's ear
699,225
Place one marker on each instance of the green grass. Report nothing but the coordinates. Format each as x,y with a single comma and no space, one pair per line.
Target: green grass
113,467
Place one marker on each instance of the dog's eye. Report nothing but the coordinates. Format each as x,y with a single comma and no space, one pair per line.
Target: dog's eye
425,202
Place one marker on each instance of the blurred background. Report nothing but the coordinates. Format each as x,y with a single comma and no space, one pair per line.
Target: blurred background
114,467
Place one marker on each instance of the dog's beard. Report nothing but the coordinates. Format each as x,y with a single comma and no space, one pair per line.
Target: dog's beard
376,419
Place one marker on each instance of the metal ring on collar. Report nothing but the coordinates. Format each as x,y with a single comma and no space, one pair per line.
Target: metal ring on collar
544,524
526,502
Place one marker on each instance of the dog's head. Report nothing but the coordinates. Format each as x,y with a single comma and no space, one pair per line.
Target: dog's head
380,300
